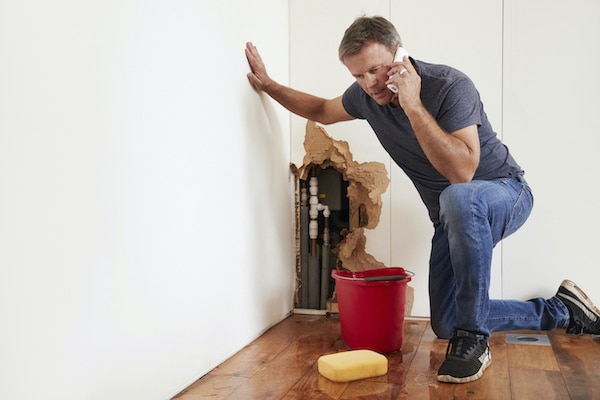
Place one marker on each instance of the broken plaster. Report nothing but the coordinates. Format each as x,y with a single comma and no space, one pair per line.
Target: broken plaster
366,183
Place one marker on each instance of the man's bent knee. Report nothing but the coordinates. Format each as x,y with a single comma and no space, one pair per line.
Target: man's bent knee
455,201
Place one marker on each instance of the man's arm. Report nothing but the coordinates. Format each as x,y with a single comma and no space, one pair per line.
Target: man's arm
455,155
306,105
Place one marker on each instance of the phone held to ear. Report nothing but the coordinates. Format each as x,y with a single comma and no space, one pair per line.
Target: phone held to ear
399,56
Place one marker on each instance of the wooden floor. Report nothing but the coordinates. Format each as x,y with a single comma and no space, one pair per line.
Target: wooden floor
282,364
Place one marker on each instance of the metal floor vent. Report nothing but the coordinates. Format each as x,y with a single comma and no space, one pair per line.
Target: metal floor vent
529,339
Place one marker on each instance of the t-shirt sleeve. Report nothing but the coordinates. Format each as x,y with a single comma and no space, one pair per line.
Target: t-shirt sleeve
351,100
460,106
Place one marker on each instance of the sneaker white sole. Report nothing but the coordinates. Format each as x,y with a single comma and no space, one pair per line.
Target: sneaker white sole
581,299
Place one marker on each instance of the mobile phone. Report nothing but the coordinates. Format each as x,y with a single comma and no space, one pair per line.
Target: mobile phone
399,56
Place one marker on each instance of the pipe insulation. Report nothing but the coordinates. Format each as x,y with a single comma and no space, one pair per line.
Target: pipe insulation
324,276
304,247
325,260
314,280
318,265
313,226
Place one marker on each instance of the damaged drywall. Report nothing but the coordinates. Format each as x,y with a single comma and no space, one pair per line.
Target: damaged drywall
353,254
366,183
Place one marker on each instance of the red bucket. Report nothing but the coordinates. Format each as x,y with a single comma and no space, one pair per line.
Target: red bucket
371,305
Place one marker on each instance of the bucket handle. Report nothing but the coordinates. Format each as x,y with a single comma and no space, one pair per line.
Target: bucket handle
409,274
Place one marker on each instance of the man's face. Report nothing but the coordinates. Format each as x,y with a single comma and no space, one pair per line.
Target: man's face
369,67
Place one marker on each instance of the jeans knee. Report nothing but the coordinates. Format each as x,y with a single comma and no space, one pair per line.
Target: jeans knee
454,201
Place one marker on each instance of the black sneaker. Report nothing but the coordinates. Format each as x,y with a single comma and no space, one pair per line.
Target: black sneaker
467,356
585,316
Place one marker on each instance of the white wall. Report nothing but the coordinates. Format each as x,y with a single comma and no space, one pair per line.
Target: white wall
551,120
533,95
145,207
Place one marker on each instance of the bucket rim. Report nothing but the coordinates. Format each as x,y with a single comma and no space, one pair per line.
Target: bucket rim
379,275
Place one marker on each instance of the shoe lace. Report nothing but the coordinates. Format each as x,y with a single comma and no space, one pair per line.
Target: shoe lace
464,345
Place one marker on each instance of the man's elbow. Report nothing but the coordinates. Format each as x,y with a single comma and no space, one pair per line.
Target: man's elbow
463,175
331,112
326,121
460,179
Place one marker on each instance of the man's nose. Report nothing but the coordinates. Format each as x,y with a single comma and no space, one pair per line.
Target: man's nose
371,80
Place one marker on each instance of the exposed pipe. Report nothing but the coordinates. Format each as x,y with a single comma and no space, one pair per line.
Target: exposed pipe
318,278
304,246
325,260
314,278
313,227
313,233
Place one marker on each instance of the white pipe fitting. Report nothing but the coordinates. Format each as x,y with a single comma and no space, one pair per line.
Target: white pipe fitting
315,207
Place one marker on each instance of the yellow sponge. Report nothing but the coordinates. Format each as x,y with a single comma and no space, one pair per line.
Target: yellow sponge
352,365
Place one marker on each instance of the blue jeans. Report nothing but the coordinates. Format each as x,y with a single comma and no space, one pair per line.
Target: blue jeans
474,217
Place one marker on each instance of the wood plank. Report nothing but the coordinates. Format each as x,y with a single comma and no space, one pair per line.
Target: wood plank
421,379
533,384
579,361
370,390
493,385
531,356
315,386
534,371
400,361
280,374
391,385
282,364
267,347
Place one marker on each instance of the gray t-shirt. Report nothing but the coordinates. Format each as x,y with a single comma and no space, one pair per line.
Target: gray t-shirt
451,98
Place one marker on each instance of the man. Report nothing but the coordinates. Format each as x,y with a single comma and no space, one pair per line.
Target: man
436,130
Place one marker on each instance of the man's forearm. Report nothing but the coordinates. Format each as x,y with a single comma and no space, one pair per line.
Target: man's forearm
300,103
306,105
455,155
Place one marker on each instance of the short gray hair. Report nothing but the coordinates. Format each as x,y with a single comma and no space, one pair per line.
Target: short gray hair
365,30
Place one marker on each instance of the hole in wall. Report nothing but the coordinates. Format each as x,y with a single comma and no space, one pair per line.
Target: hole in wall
350,193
